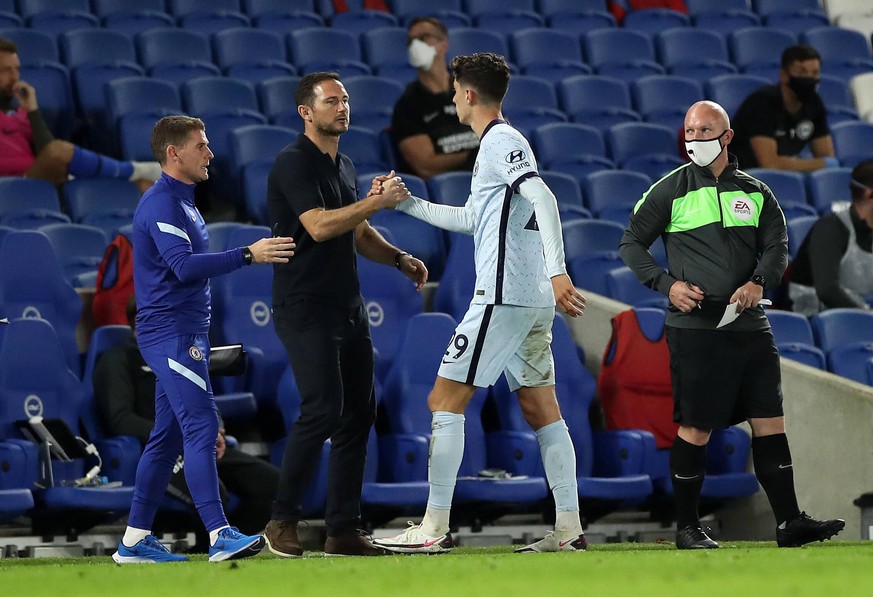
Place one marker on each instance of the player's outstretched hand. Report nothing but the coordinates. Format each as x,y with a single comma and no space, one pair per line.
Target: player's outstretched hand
273,250
414,269
376,186
567,297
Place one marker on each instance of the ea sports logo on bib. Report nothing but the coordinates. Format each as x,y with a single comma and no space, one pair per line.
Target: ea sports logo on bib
742,209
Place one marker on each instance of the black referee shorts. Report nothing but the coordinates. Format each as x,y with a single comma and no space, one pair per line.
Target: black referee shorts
723,378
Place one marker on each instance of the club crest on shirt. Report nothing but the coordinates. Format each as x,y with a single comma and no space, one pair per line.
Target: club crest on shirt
804,129
742,208
192,214
195,353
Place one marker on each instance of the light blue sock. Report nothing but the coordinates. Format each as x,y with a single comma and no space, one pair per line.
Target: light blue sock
446,452
559,460
87,164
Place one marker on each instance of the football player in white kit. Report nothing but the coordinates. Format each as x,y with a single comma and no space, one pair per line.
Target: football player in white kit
520,276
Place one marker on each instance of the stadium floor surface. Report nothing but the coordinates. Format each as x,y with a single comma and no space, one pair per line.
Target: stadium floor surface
834,568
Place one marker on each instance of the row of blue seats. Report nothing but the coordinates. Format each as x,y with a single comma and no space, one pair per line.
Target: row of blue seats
845,50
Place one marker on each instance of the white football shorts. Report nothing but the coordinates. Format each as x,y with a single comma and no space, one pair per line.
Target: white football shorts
495,339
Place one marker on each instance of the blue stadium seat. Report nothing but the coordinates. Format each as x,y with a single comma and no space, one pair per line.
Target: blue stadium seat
361,21
629,53
829,186
182,8
797,21
664,99
850,361
391,301
208,96
277,96
841,327
258,8
726,21
465,41
258,143
768,7
33,286
52,83
101,46
835,92
134,23
794,340
385,46
105,8
219,233
89,82
582,239
362,146
597,101
844,52
79,248
637,138
478,7
61,21
260,72
254,185
450,188
798,228
404,397
614,191
788,187
212,22
326,49
731,90
27,198
106,203
10,20
158,46
396,473
681,47
283,22
853,142
696,7
580,23
416,8
372,99
289,403
178,73
553,7
654,20
759,46
567,193
141,94
623,286
561,141
547,53
135,131
507,23
33,374
458,281
34,47
415,236
241,46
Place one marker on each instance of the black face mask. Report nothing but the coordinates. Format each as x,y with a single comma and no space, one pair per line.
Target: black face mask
804,87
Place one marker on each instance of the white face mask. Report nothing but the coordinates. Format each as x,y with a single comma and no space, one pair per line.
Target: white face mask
421,55
703,152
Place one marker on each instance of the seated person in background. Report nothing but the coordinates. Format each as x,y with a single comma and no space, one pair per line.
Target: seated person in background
834,267
775,123
27,147
425,125
124,387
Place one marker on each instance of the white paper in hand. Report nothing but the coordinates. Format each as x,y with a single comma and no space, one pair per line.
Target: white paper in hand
730,312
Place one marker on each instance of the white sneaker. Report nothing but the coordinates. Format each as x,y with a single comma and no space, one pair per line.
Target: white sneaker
412,540
551,543
146,171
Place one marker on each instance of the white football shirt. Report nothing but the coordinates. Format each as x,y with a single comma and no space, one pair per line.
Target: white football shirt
510,267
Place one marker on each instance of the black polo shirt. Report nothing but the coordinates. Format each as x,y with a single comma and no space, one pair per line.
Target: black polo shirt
763,114
304,178
420,112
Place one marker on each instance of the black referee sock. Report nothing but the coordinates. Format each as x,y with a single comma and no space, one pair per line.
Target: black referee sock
687,470
775,472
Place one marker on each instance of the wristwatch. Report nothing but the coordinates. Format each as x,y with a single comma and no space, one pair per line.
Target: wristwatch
397,257
247,255
759,280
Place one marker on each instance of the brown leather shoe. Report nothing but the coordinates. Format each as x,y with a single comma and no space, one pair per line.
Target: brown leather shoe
282,538
354,543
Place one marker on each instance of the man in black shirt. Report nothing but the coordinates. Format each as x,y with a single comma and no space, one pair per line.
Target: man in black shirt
775,123
425,125
834,267
319,314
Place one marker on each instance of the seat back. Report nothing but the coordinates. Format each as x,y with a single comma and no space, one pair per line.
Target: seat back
205,96
458,281
245,45
840,327
170,45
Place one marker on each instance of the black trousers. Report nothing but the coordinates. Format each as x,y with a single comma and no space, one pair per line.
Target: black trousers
331,353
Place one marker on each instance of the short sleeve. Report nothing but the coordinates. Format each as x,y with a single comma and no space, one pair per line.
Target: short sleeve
820,119
756,117
406,120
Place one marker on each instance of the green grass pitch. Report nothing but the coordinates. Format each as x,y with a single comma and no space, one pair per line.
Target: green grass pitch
737,569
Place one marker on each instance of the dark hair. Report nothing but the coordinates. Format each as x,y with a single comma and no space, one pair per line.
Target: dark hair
8,46
305,94
485,72
799,53
431,21
862,179
173,130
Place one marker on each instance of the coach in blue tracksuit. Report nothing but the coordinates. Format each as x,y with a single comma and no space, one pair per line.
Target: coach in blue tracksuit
171,271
